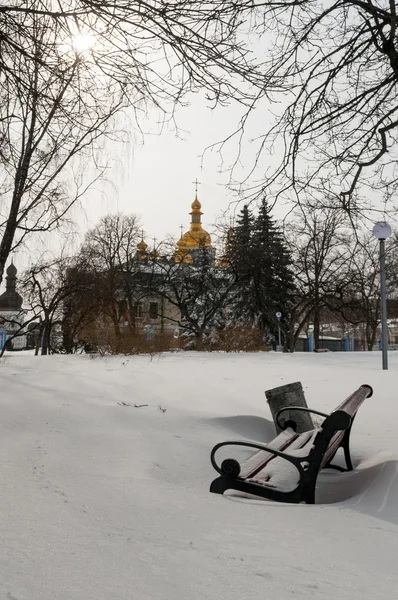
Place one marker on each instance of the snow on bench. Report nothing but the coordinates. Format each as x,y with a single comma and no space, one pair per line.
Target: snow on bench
287,468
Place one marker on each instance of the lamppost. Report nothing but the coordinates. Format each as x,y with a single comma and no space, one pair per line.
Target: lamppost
278,316
382,231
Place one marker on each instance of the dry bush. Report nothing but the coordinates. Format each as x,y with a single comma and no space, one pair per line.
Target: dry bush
235,338
140,343
238,338
103,340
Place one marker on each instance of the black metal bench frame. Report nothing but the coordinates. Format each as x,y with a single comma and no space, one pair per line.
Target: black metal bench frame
334,433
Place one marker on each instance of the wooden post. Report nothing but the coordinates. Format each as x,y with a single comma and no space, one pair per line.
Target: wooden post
291,394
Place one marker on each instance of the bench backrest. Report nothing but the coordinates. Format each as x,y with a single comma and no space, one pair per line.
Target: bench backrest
335,426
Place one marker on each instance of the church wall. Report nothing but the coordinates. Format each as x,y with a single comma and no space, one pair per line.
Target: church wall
158,312
18,343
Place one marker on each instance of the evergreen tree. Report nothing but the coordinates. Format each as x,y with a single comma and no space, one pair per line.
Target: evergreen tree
262,266
276,262
241,242
242,261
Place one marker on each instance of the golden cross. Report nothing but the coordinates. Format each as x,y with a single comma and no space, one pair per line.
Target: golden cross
196,182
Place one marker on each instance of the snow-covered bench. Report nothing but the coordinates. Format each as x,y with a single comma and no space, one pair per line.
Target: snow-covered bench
286,469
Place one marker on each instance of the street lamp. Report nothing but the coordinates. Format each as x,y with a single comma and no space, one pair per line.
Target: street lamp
279,316
382,231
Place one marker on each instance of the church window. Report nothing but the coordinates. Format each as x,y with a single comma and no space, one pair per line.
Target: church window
138,310
153,310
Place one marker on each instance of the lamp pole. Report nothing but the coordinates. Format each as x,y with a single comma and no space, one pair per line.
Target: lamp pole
382,231
278,316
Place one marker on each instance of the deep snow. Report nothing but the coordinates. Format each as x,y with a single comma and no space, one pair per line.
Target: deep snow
100,501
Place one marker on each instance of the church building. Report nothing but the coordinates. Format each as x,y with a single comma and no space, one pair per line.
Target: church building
193,248
11,311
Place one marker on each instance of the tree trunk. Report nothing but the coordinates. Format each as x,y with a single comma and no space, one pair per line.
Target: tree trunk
371,332
7,240
302,324
317,327
290,340
67,337
199,339
38,336
46,337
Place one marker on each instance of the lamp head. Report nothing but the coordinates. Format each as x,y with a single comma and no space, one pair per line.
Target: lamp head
381,230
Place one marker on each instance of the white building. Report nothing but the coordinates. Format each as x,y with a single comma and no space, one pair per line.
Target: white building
11,312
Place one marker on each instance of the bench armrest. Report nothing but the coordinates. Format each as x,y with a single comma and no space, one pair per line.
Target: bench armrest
302,408
295,460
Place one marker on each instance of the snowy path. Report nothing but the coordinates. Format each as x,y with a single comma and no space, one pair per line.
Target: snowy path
106,502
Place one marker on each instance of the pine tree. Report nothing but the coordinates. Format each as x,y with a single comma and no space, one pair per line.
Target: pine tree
262,266
241,242
274,277
242,309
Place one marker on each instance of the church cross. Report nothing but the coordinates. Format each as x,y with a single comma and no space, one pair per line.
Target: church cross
196,183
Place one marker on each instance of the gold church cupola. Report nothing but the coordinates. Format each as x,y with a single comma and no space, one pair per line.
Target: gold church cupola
196,236
196,212
142,248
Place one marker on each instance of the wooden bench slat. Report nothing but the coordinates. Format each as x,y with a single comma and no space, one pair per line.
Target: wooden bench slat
282,475
333,446
255,462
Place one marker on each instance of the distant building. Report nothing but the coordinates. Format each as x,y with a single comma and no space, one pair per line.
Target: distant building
11,312
195,244
193,247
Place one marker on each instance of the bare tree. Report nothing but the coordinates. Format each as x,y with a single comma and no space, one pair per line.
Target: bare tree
109,255
81,307
66,70
160,49
338,124
46,286
358,300
320,263
49,115
200,292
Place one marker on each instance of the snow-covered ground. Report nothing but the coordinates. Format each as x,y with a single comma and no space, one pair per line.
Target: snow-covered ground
101,501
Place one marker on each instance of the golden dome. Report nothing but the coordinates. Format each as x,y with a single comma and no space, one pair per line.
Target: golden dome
187,259
142,246
142,253
183,256
196,237
196,206
181,251
154,255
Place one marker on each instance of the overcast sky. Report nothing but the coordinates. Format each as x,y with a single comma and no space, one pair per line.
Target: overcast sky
155,179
